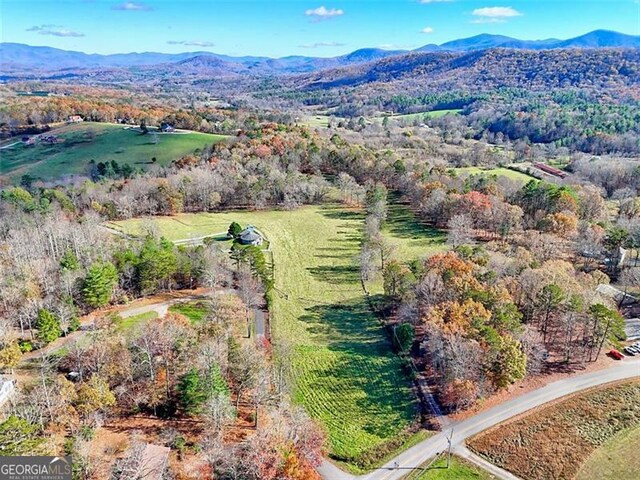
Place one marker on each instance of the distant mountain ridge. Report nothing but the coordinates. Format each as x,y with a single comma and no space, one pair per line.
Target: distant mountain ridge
15,57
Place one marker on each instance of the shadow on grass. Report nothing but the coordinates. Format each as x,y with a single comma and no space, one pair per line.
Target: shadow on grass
402,222
366,370
336,274
341,213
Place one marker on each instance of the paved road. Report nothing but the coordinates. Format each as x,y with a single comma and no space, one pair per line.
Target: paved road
261,329
417,455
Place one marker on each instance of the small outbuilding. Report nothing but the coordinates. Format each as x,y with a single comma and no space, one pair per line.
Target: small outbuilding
250,236
74,119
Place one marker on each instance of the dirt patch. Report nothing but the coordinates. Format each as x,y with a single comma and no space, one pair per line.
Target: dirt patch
553,442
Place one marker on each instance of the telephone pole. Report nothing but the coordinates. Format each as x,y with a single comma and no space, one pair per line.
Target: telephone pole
449,448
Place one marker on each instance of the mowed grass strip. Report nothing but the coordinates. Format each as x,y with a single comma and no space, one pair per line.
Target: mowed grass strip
554,443
459,469
345,373
100,142
616,459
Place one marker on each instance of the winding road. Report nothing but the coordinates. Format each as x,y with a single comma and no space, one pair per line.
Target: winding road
413,458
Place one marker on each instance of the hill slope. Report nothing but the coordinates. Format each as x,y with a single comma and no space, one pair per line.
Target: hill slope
15,57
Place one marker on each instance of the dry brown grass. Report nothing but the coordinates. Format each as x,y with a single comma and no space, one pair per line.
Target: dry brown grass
553,443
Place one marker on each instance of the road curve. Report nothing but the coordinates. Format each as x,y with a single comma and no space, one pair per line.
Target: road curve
400,466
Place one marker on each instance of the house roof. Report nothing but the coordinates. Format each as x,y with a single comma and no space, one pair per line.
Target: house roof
249,234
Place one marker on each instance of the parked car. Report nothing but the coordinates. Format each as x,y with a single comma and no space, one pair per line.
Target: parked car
630,351
615,354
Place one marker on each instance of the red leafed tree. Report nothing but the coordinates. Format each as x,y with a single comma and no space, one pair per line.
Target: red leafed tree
459,394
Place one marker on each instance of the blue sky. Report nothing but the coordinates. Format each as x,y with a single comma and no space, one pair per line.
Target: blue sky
298,27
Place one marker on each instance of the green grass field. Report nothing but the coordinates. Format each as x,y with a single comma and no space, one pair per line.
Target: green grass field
412,238
99,142
194,311
502,172
316,121
420,116
134,322
459,469
617,459
346,375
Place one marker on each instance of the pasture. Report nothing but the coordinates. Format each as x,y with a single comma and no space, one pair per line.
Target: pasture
500,172
617,458
345,373
411,238
80,143
563,437
407,119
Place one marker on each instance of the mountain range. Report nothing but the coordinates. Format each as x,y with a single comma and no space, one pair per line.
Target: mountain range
16,58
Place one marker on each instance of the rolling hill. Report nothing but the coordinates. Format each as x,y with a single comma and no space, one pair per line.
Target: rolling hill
18,58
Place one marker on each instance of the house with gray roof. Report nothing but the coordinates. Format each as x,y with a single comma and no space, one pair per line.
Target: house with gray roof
250,236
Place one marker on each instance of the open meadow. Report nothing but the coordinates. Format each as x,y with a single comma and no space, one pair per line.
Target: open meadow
346,373
500,172
566,440
80,143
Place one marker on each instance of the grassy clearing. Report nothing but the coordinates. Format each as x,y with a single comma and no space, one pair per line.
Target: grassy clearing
346,375
426,115
616,459
420,116
555,442
501,172
194,311
99,142
136,321
412,238
317,121
459,469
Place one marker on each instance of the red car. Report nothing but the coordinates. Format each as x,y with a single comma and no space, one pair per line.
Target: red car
616,354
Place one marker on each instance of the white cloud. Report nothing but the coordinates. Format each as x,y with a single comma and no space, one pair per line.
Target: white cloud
427,30
191,43
54,30
494,14
324,13
321,44
132,7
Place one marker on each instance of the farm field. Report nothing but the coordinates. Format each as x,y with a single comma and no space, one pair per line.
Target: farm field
459,469
347,376
501,172
412,238
556,442
422,115
317,121
99,142
616,459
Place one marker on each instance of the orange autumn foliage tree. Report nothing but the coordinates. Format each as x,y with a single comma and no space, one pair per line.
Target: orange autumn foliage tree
459,318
